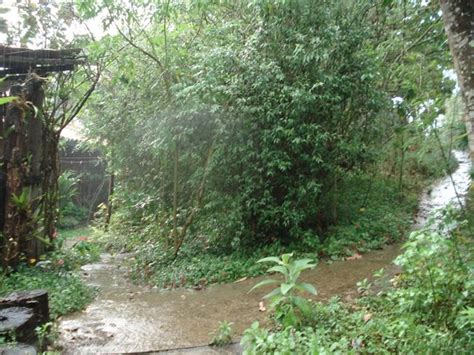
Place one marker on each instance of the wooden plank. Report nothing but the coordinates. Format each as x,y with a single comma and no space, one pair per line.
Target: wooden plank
40,53
40,69
12,61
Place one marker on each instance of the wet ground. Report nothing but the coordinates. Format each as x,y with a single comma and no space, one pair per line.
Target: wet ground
130,318
452,189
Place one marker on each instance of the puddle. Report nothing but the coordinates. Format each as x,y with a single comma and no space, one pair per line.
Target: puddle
129,318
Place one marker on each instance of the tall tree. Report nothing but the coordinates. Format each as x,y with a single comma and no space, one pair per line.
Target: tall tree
459,24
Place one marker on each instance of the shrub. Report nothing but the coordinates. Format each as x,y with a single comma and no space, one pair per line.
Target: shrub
289,308
429,310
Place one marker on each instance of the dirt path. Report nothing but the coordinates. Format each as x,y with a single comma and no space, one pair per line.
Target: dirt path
129,318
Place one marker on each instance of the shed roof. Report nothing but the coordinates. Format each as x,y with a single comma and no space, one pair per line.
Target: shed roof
14,60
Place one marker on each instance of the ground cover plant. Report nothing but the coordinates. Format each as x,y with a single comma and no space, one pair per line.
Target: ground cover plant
56,272
371,214
428,310
67,292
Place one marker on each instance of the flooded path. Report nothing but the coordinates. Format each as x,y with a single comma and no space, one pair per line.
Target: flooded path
130,318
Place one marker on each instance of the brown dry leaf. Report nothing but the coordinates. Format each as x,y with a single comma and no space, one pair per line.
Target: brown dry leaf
356,256
367,317
261,307
355,307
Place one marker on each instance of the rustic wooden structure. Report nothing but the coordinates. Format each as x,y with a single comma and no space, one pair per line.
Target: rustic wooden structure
20,61
28,151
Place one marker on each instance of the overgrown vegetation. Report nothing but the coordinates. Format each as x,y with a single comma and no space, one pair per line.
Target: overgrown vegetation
222,335
70,214
234,130
429,310
56,273
83,184
285,126
371,215
67,292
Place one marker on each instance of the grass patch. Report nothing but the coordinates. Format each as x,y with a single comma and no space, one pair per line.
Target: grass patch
74,233
56,273
67,293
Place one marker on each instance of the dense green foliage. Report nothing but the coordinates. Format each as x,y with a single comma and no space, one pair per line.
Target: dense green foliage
371,214
238,129
263,128
237,125
70,214
67,292
428,311
57,274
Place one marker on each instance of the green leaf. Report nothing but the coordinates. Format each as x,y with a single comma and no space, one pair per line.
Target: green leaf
276,300
263,283
286,258
303,305
278,268
275,292
303,264
307,287
7,100
273,259
290,319
285,288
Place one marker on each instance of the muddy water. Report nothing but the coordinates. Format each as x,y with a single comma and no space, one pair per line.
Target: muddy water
452,189
129,318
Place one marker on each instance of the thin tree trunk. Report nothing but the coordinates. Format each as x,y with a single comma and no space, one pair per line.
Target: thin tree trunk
458,18
334,201
50,184
109,200
197,203
402,163
175,198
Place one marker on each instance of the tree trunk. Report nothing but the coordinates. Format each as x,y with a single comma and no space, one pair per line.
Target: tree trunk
35,132
458,18
175,198
14,153
109,201
50,167
22,146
